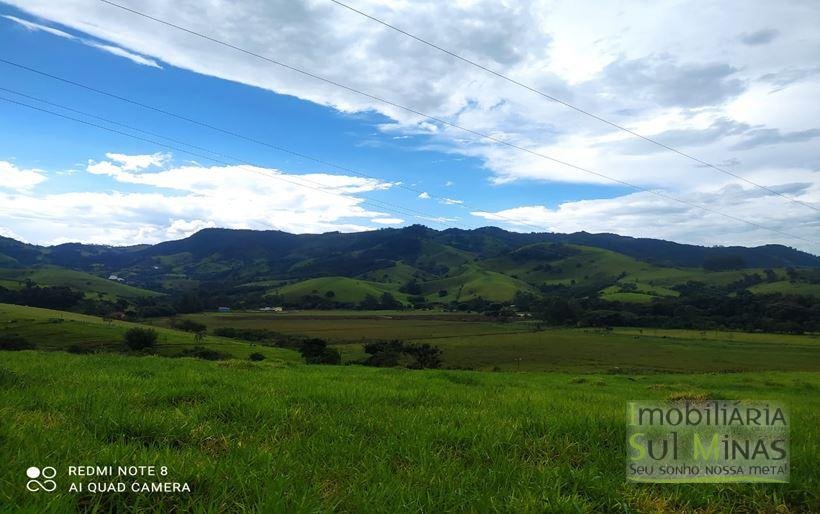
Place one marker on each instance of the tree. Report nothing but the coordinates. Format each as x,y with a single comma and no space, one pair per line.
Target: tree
369,303
316,351
394,352
189,302
412,287
188,325
387,301
138,339
426,355
723,263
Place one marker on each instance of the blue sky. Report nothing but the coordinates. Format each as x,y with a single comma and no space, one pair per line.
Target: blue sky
64,185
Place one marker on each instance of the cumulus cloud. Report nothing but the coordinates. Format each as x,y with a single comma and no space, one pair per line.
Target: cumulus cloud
644,214
643,63
685,137
786,77
759,37
180,200
14,178
669,84
119,163
424,195
675,71
763,137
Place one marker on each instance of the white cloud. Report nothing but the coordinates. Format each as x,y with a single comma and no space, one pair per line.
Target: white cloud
387,221
180,229
103,168
451,201
120,165
183,199
14,178
7,232
424,195
644,214
115,50
645,66
668,70
36,26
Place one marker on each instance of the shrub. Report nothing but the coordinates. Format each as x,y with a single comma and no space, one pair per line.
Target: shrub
259,335
140,338
316,351
256,356
15,343
396,352
189,325
200,352
426,355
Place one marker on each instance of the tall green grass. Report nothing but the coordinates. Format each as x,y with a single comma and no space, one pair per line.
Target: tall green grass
282,438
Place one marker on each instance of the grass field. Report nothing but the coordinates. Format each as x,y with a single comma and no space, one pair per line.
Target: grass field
345,290
57,330
277,438
91,285
483,345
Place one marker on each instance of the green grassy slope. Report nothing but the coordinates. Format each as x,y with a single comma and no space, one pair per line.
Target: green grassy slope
77,280
345,290
58,330
593,265
399,274
267,438
472,282
787,287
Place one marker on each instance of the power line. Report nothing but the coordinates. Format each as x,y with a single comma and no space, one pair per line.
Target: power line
239,135
442,121
376,203
571,106
225,131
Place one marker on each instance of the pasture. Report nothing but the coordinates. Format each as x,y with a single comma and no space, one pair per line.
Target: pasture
471,341
274,437
59,330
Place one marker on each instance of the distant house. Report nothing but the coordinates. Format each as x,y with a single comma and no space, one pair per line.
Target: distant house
115,277
271,309
224,309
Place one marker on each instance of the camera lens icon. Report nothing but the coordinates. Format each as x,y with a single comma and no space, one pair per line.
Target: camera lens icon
35,473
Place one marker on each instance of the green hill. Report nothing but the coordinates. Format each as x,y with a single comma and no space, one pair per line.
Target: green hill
343,289
90,285
245,269
58,330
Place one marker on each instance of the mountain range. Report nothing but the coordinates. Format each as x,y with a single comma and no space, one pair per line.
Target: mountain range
449,265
